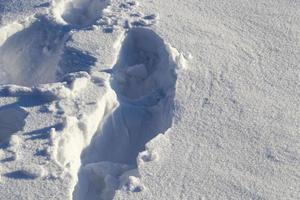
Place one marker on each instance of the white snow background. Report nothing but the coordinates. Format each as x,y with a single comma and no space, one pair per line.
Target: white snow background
149,99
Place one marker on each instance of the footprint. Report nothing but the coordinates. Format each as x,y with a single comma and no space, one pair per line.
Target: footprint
143,69
144,80
80,13
40,54
30,56
12,120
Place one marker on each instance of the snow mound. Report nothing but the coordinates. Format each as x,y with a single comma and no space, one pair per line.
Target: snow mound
80,12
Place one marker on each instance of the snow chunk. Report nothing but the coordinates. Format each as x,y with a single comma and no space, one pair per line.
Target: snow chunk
78,81
79,12
130,181
14,141
154,148
14,27
180,59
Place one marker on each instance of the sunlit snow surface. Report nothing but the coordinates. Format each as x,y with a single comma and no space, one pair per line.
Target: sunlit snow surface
135,99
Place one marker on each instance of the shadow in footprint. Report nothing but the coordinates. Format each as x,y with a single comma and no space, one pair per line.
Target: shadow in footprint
30,57
26,99
12,120
20,174
73,60
43,133
144,80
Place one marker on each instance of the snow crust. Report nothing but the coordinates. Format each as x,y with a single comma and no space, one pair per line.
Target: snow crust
127,99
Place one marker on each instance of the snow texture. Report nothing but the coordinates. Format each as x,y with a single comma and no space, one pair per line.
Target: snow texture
137,99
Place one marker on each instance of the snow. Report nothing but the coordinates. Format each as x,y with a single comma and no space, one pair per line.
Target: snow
79,12
126,99
41,39
12,120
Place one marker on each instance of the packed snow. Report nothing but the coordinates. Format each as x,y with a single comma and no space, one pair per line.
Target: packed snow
143,99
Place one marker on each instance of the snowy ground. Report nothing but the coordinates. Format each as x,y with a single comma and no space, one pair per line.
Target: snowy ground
147,99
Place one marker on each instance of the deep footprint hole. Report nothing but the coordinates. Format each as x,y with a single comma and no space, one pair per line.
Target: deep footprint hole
143,69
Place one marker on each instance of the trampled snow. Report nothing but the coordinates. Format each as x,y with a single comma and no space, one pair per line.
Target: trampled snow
136,99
